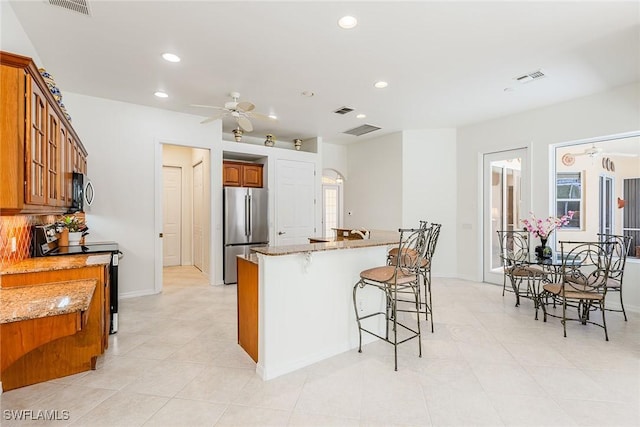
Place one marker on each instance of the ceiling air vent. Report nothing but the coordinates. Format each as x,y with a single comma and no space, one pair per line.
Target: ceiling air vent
79,6
526,78
361,130
343,110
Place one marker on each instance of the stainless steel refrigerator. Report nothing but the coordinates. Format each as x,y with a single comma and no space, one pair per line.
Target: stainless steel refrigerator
245,225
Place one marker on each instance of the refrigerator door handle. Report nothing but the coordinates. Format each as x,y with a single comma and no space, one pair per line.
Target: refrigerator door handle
249,214
246,215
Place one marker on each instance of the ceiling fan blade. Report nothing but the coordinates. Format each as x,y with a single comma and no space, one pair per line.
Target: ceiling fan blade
619,154
214,117
206,106
262,116
245,106
245,124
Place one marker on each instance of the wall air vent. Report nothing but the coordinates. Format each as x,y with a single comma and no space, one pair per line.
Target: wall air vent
79,6
343,110
361,130
526,78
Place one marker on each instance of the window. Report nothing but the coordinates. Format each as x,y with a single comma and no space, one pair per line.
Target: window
569,197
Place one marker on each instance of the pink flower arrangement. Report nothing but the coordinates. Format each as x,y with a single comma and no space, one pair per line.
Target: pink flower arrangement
542,228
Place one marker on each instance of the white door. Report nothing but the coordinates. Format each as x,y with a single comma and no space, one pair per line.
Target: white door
330,208
171,215
198,215
295,202
506,199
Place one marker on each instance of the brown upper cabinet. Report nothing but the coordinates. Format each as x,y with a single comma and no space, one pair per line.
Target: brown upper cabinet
239,174
40,149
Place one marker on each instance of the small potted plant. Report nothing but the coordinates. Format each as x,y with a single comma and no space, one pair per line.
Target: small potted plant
75,227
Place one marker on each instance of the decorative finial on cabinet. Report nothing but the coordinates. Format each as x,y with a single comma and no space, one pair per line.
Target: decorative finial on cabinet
297,143
237,134
270,141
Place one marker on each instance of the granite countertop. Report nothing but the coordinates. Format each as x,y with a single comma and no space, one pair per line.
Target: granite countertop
52,263
51,299
378,238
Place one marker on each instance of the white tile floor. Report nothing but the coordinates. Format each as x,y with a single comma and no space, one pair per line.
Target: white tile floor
175,362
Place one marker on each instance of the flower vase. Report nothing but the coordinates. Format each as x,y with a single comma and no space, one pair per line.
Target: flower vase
543,251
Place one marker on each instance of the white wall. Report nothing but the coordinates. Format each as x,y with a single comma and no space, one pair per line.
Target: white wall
612,112
429,188
12,36
373,190
334,157
122,140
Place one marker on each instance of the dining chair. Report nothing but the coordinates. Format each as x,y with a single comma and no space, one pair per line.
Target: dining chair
517,267
583,282
618,261
400,283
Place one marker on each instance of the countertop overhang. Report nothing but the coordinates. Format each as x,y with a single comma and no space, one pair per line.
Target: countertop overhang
377,238
51,299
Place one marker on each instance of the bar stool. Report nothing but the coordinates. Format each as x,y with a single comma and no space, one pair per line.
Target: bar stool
399,280
432,234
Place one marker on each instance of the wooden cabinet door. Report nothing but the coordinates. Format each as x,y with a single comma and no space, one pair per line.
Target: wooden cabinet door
247,306
232,174
66,166
54,147
36,147
252,176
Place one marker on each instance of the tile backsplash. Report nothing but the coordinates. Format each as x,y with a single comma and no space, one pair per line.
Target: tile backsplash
18,227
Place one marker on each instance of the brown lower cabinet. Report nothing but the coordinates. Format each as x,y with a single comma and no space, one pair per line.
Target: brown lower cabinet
248,306
71,353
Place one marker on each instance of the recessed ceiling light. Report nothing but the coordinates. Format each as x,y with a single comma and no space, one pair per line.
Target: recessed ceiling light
381,84
161,94
171,57
307,93
347,22
361,116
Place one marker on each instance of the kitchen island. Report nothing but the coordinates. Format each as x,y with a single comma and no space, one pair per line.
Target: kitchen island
54,315
305,302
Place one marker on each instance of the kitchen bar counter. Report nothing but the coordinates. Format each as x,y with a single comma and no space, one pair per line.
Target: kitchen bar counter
51,299
40,264
305,309
378,238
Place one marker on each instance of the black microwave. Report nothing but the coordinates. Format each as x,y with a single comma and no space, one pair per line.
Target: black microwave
82,192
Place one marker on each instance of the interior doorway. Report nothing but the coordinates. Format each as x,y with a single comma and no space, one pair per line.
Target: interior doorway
332,201
505,202
186,211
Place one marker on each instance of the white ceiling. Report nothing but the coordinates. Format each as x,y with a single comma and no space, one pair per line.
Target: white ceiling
447,63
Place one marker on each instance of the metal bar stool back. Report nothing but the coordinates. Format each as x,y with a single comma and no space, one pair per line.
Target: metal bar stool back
400,283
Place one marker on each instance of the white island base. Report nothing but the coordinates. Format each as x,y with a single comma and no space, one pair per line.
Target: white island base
306,311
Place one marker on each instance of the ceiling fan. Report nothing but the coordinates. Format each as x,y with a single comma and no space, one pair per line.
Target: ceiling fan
240,111
594,152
